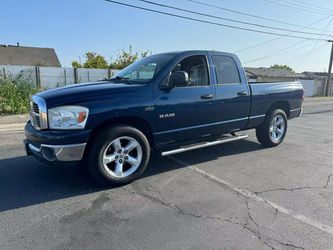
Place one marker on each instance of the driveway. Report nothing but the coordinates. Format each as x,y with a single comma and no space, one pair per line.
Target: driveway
233,196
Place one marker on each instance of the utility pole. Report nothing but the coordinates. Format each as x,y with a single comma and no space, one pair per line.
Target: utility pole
328,85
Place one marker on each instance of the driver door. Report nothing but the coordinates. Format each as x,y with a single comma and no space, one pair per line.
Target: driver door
186,113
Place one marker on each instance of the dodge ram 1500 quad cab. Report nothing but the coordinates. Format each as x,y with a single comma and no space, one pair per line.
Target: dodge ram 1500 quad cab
170,102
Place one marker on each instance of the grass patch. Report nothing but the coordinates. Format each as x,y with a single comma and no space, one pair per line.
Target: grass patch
15,93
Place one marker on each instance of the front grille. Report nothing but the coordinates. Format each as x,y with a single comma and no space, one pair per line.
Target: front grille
38,113
35,108
35,117
37,120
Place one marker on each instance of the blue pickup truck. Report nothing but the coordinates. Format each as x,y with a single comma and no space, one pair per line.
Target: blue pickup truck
167,103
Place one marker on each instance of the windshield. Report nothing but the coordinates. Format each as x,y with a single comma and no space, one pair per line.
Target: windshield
143,70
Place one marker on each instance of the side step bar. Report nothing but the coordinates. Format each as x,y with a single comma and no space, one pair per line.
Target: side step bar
205,144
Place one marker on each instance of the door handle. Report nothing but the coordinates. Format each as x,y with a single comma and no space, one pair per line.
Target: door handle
242,93
208,96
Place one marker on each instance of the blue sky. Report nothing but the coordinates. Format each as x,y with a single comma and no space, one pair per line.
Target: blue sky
73,27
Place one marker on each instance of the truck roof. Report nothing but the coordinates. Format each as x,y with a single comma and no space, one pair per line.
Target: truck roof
194,52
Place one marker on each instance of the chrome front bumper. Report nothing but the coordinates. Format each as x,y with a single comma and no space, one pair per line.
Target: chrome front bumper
72,152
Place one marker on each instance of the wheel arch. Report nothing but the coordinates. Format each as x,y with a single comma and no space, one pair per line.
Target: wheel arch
133,121
284,105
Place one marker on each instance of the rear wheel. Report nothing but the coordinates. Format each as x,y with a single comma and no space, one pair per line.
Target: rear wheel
273,131
119,155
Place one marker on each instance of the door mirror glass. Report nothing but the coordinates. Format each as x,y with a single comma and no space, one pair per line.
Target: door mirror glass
179,79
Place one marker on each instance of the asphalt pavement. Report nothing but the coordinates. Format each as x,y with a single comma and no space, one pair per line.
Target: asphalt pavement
233,196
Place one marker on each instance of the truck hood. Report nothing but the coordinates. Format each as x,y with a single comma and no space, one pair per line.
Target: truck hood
77,93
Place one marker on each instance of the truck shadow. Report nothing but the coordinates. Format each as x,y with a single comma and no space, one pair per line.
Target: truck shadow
25,182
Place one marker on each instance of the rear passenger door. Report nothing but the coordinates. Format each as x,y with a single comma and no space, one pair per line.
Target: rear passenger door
186,113
232,93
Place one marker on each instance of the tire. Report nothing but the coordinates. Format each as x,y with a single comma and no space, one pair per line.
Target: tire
118,155
273,130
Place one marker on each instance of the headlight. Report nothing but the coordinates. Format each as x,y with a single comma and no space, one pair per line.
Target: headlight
68,117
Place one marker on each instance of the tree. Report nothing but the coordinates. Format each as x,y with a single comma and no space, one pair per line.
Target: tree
280,66
93,60
125,58
76,64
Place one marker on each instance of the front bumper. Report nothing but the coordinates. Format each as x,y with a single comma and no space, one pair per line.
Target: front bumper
72,152
56,147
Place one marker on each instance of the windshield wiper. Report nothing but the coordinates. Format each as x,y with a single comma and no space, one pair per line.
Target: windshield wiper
119,78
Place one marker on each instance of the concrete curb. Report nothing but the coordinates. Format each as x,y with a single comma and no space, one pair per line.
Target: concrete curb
9,119
10,128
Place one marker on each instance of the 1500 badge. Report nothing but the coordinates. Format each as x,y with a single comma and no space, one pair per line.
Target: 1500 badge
162,116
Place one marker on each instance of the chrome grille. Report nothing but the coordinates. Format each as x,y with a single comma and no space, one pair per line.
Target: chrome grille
34,115
35,108
37,121
38,113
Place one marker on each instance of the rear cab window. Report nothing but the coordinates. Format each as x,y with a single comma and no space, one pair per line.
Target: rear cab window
226,70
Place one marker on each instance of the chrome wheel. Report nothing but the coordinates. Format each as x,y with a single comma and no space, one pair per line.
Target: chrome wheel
277,128
122,157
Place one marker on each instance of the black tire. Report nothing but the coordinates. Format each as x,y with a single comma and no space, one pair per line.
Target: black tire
102,142
263,131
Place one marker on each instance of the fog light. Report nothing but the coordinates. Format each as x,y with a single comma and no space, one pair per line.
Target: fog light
48,154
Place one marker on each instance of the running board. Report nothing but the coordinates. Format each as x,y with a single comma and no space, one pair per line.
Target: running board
205,144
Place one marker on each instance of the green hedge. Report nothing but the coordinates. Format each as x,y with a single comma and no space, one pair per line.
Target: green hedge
15,94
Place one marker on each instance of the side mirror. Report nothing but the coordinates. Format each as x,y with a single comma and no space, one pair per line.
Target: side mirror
179,79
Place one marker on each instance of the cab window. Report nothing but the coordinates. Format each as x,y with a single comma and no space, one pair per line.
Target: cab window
226,70
196,68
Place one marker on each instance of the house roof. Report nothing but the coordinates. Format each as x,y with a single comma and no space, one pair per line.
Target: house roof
316,75
269,72
30,56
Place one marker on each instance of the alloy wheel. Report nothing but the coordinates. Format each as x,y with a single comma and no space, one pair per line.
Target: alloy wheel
122,157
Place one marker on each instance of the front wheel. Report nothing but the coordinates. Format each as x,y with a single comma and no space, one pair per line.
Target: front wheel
272,132
119,155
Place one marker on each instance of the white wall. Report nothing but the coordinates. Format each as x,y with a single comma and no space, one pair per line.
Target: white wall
27,73
309,87
52,77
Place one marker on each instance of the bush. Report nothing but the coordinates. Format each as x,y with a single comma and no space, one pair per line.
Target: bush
15,94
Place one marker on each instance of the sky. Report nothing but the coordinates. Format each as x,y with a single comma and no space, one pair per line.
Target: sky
74,27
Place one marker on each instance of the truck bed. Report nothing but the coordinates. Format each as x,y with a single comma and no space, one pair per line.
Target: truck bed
264,95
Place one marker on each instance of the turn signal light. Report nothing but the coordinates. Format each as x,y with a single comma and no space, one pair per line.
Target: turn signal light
81,117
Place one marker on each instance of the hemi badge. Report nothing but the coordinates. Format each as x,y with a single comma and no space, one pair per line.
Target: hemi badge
149,108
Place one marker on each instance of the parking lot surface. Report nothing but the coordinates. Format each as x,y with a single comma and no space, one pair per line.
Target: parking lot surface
233,196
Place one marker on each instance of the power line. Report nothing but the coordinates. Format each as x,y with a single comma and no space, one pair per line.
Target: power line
301,5
231,20
314,46
214,23
312,5
278,52
247,14
278,38
294,59
287,50
283,3
297,7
